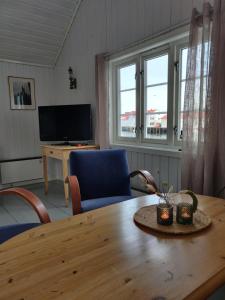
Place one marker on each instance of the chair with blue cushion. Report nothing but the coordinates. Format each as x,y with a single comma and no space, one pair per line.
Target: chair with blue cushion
100,178
8,231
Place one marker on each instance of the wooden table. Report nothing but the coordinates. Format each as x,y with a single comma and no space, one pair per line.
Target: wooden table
103,255
62,153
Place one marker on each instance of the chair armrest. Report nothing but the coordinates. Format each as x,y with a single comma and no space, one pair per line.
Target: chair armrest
149,180
32,199
75,193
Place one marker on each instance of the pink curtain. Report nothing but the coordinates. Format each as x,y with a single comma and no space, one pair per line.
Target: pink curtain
203,159
102,129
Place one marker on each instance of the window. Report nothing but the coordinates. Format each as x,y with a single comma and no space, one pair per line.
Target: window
156,97
148,94
127,101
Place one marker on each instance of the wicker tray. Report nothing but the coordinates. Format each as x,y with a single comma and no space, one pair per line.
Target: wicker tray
147,217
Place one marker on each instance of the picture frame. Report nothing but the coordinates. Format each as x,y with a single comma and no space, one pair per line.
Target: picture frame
21,93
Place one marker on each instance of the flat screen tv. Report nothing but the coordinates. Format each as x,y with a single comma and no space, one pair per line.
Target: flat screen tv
65,123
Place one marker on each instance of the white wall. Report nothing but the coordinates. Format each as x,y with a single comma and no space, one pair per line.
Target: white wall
106,26
19,129
100,26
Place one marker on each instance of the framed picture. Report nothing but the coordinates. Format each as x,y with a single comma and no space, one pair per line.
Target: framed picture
21,92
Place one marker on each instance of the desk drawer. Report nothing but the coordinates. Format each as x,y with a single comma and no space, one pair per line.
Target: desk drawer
53,153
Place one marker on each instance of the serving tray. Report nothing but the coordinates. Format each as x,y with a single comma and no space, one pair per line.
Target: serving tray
147,217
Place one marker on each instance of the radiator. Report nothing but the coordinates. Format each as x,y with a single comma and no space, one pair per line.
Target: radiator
21,170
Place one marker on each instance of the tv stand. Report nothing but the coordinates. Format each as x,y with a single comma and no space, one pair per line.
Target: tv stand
61,152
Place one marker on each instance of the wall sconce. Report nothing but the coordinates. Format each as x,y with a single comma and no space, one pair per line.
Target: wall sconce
72,79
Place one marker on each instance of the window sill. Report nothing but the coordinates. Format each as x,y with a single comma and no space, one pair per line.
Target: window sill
156,150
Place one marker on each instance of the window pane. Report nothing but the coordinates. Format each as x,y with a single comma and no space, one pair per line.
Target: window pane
127,77
157,70
156,112
184,53
127,114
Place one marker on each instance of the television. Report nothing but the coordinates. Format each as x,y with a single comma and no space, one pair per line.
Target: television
65,123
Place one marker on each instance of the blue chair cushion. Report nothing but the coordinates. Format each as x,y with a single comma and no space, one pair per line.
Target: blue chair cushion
87,205
8,231
101,173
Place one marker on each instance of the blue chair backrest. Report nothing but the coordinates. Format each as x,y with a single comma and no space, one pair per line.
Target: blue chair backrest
101,173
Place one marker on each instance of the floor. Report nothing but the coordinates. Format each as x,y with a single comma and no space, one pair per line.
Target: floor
14,210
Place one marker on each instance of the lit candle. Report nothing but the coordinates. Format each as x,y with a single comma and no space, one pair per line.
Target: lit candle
165,215
185,215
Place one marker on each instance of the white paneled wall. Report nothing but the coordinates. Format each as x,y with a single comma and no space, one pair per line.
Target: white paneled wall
100,26
106,26
164,168
19,129
163,165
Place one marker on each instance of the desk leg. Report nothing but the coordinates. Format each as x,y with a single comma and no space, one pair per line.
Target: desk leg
66,186
45,173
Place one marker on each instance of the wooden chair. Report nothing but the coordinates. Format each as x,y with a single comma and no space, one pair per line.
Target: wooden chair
100,178
8,231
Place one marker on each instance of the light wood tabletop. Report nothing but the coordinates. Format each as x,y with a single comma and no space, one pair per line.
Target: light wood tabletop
103,254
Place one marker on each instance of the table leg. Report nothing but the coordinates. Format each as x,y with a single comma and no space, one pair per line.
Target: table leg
66,186
45,172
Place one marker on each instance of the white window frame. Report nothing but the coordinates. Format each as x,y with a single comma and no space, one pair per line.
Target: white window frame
116,110
149,49
177,90
148,55
133,61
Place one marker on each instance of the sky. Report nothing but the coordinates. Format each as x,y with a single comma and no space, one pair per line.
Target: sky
155,86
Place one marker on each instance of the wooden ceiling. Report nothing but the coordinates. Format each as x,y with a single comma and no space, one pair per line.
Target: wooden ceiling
33,31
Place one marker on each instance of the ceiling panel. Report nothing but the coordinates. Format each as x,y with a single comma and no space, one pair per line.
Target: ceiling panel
33,31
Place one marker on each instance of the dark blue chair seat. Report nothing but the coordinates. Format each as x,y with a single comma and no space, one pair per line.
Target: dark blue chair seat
9,231
87,205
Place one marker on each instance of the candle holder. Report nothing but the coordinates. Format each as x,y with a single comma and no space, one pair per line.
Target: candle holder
184,213
164,214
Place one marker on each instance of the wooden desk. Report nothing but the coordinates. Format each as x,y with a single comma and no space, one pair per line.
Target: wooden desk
62,153
103,255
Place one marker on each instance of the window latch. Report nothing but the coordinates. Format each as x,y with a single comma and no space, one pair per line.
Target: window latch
142,72
176,65
141,127
181,134
175,129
